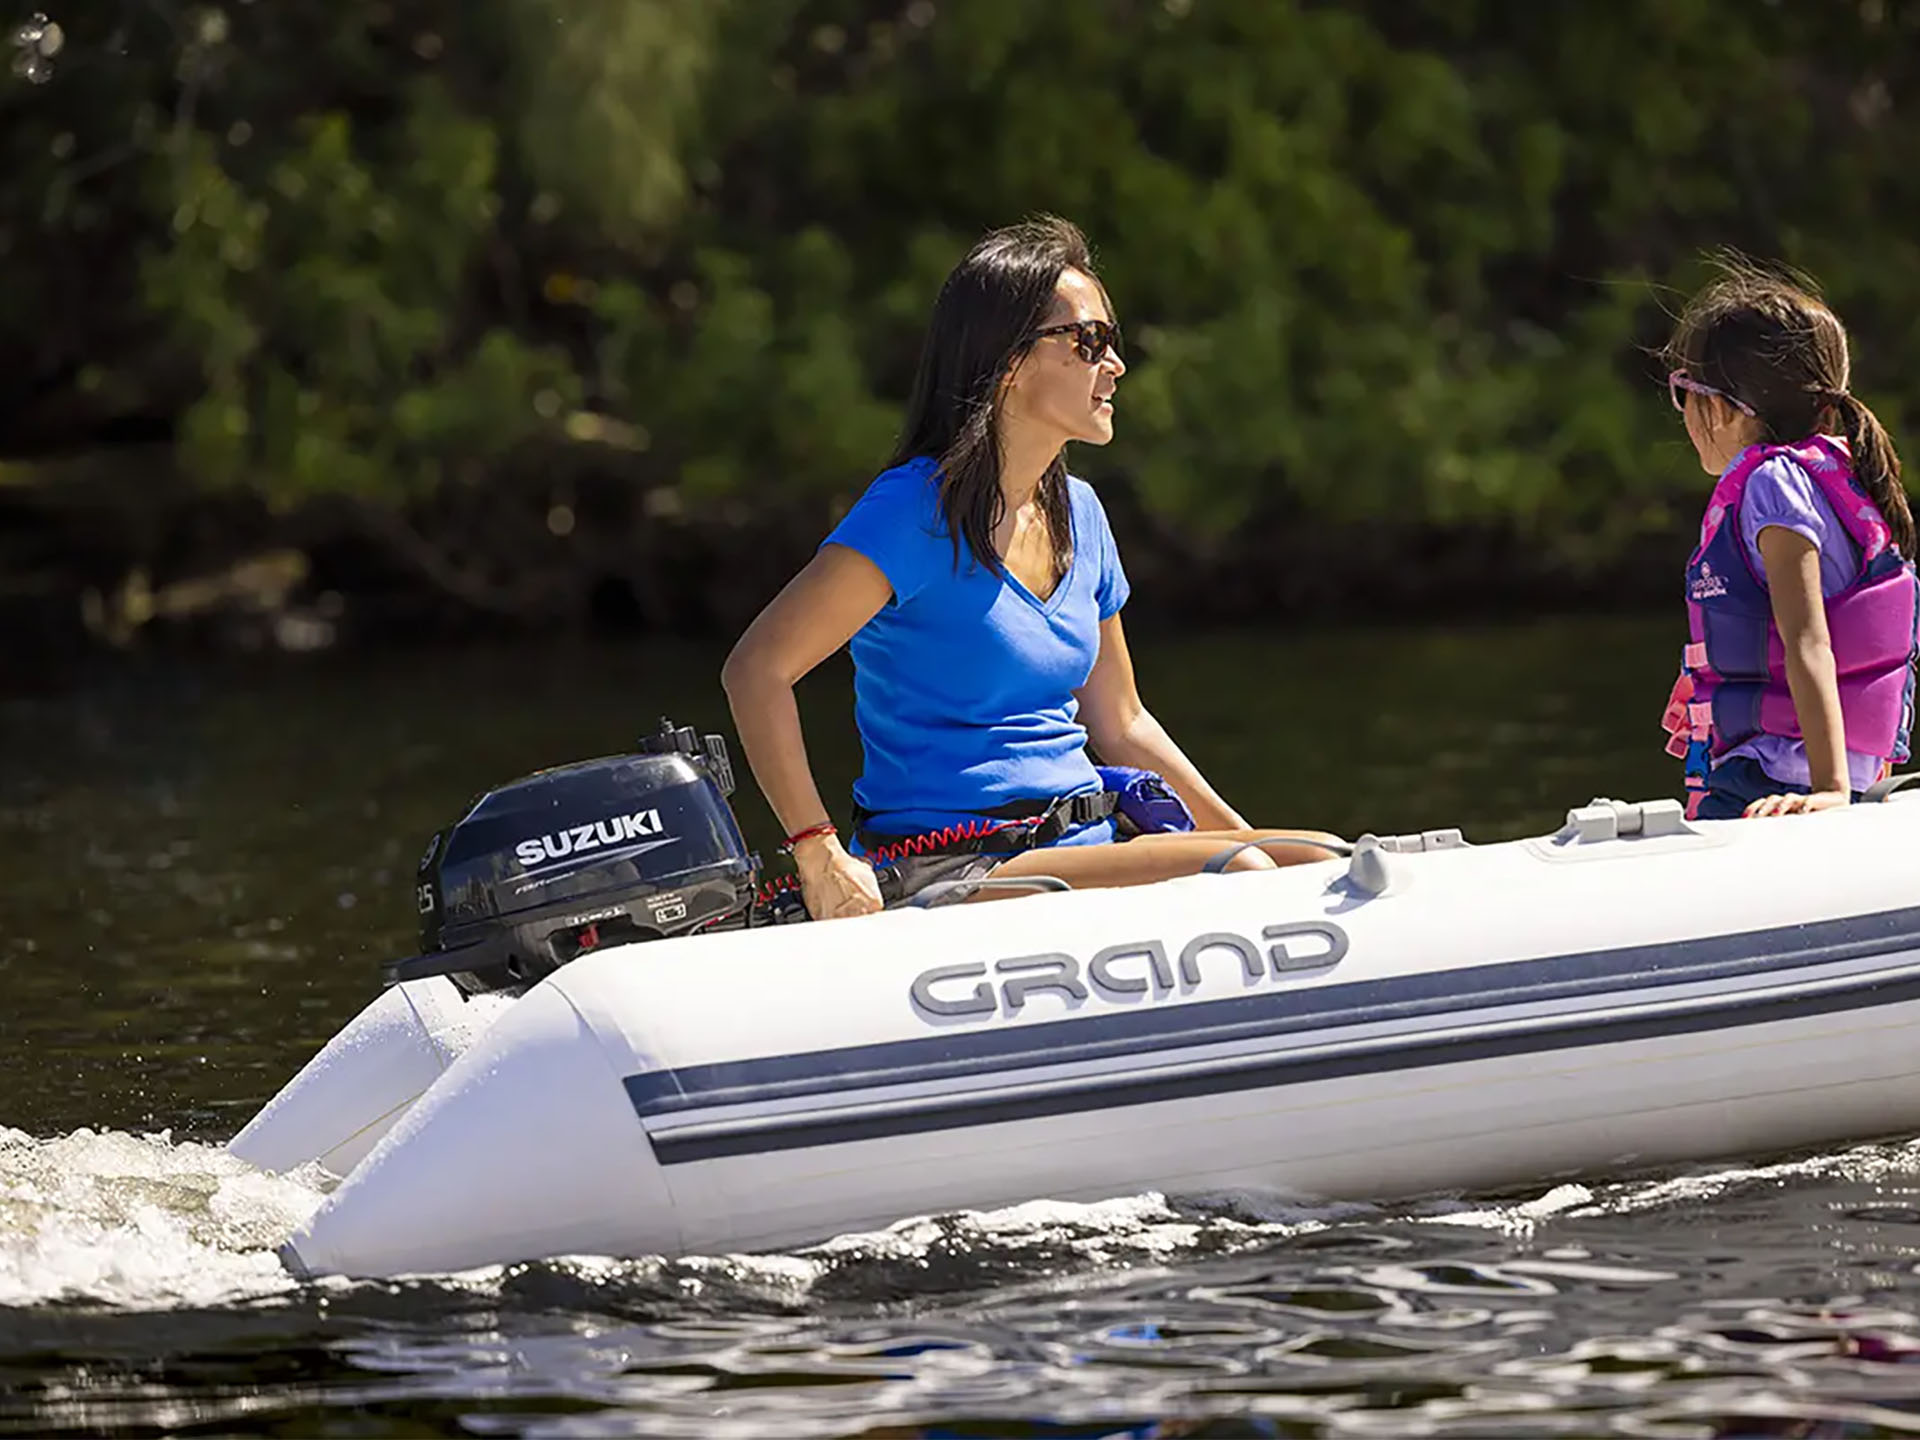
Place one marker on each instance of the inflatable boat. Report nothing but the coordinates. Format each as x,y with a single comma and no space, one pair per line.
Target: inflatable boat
612,1044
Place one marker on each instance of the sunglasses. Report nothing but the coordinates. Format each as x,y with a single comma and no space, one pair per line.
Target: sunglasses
1680,384
1091,338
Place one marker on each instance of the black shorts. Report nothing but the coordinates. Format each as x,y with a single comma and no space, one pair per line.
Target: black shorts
902,879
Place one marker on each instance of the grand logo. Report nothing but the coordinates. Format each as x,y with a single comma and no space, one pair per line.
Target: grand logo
581,839
1135,967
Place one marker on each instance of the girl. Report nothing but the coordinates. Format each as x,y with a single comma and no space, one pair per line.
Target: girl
981,590
1796,690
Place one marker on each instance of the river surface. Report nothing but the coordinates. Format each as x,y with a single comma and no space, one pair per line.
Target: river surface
207,861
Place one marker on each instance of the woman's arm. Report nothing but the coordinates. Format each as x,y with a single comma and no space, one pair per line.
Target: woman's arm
818,612
1792,564
1124,732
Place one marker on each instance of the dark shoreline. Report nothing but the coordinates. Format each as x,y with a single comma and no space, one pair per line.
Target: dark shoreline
124,560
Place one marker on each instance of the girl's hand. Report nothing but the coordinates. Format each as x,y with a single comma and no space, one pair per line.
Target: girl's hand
1798,804
832,882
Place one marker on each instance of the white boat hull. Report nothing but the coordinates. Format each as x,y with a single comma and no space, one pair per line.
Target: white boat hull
1506,1014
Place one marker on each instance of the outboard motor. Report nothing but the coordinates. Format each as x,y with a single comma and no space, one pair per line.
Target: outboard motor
603,852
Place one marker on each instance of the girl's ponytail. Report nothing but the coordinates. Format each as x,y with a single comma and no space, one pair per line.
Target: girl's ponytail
1876,465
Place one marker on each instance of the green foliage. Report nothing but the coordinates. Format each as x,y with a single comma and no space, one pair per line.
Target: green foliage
773,388
606,87
323,305
1399,258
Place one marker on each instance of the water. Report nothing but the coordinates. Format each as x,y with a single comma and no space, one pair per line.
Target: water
208,862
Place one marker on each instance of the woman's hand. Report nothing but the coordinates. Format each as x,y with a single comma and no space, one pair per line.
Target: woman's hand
832,882
1798,804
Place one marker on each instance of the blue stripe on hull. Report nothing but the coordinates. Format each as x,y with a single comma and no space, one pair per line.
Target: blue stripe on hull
764,1134
1272,1013
1625,974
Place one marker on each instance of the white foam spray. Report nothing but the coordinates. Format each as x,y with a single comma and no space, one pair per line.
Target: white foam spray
140,1221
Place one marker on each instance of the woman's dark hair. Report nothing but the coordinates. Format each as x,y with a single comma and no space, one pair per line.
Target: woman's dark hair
982,323
1766,338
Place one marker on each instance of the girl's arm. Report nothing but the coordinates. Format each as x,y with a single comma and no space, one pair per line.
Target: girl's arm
818,612
1792,564
1124,732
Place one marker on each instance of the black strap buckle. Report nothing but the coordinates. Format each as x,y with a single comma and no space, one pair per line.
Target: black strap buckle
1070,812
1089,806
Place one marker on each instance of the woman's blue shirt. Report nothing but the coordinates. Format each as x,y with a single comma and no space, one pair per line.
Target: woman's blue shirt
963,682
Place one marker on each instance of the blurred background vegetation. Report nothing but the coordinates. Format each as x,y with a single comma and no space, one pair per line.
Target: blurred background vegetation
410,317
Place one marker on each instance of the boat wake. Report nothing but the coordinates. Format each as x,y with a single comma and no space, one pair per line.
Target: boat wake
145,1222
141,1221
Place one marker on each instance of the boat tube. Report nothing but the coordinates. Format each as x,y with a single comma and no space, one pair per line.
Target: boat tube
1421,1015
348,1096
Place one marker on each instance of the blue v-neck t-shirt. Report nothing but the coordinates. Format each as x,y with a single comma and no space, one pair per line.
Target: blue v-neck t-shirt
963,682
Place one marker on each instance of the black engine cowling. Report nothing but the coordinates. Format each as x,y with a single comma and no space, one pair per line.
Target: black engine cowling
602,852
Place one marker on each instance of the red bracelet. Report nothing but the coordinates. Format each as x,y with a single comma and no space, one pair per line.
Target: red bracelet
825,827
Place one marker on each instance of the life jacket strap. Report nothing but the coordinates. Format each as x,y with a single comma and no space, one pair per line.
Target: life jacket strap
996,832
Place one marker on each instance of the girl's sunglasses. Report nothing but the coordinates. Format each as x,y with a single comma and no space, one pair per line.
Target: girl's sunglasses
1679,383
1091,338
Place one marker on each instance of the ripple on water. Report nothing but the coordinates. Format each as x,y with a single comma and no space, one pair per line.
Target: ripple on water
1573,1310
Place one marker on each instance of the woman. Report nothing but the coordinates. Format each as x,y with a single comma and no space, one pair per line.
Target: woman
980,590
